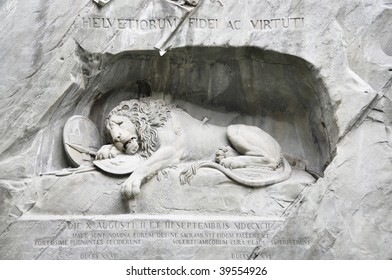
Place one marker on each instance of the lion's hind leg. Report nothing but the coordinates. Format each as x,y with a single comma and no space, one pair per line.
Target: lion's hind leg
257,148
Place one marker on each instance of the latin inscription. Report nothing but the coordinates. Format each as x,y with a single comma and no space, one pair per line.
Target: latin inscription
96,239
148,237
170,23
293,242
124,23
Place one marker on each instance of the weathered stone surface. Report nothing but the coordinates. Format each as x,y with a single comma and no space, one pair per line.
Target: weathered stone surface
315,75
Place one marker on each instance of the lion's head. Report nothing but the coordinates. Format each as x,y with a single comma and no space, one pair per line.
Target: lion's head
146,116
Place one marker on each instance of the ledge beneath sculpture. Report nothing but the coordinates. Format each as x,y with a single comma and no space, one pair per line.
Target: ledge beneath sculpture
211,192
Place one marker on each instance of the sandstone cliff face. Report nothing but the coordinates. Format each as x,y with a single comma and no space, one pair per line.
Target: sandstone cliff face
316,76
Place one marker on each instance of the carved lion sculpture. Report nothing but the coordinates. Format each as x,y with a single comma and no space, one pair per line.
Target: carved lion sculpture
167,136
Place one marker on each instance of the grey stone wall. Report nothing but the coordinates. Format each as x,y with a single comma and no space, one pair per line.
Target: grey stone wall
315,75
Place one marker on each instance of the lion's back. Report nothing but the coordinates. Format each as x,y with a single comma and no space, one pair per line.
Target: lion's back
200,140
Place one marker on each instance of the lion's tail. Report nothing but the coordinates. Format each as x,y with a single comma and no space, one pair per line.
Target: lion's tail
254,183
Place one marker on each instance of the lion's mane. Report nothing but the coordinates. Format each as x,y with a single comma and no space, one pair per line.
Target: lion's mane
146,115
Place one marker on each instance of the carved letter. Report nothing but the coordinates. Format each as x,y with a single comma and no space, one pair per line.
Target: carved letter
202,23
275,20
86,22
152,24
267,23
105,23
173,23
212,23
131,21
295,21
121,23
161,23
288,22
191,22
254,23
143,24
237,24
96,22
111,21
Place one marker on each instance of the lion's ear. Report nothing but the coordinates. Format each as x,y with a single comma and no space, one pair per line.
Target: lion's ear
125,108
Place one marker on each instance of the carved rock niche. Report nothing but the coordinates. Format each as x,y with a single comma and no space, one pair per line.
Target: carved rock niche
279,93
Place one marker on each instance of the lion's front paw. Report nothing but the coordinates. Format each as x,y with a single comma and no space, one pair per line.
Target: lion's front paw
131,187
232,163
107,151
